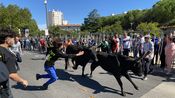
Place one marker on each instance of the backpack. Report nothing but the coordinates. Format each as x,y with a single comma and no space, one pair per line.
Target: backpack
4,73
104,44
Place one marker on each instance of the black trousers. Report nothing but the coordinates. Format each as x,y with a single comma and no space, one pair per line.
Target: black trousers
162,58
126,52
156,53
5,92
140,53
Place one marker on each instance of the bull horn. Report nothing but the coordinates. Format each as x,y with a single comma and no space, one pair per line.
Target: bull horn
145,54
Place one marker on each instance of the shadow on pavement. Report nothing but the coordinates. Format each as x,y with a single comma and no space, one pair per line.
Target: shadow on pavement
159,72
87,82
105,73
37,58
28,88
170,79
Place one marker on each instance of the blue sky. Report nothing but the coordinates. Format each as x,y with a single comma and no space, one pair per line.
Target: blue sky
76,10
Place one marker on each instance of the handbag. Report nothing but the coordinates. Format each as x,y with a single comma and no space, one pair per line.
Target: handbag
18,57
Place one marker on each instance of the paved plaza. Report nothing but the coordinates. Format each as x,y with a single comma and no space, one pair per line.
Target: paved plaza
101,85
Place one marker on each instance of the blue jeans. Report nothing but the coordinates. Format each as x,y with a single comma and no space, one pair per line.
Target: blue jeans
51,74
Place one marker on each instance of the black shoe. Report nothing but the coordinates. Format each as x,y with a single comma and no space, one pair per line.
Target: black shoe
37,76
44,87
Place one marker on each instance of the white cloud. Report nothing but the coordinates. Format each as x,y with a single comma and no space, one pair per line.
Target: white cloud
42,26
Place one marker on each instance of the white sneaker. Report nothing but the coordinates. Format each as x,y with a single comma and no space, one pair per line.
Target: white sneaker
145,78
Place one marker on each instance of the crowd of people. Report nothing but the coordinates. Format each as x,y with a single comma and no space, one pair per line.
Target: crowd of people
11,48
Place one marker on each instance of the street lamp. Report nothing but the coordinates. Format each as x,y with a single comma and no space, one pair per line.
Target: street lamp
131,25
45,3
10,26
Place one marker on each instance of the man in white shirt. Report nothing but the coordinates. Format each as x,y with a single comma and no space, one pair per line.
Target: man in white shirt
16,47
148,46
126,44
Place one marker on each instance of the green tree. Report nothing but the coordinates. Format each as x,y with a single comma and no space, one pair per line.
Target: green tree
112,29
151,28
163,13
16,18
54,30
90,23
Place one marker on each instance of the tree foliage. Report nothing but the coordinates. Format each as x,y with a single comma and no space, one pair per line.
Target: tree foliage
54,30
164,11
151,28
161,14
16,18
90,23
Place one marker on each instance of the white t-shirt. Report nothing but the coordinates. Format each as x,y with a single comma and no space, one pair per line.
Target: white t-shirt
126,43
16,47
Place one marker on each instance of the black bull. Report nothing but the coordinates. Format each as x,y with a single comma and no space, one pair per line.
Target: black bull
79,60
119,65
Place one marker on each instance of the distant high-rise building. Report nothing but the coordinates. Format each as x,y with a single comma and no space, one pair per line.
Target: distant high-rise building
55,18
65,22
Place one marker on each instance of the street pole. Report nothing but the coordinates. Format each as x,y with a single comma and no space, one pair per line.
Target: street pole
46,31
131,25
45,3
10,26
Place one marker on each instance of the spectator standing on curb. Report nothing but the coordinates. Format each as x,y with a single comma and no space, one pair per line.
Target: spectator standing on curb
148,46
126,44
162,53
169,53
6,41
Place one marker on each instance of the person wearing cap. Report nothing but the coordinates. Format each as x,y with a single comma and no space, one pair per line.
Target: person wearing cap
148,46
53,53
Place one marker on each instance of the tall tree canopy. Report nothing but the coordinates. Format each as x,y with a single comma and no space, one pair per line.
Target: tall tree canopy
16,18
151,28
161,14
90,23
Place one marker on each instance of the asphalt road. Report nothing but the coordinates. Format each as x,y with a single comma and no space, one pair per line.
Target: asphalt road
72,85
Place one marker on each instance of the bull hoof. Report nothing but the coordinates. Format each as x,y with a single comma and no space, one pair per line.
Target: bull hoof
136,88
75,68
124,94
